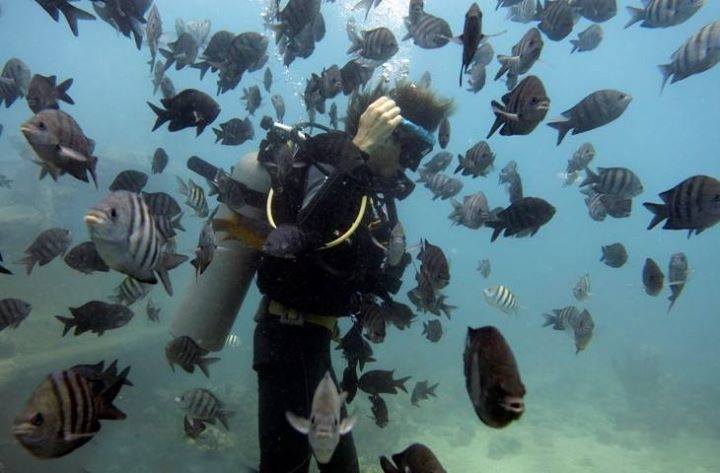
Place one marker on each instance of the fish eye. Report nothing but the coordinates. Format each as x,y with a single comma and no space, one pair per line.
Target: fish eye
622,96
113,213
41,125
37,420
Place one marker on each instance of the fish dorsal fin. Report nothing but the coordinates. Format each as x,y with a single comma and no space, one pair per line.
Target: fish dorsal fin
666,196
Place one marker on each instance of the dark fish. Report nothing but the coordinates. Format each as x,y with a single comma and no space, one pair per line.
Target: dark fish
72,14
678,275
422,391
417,458
372,319
12,312
96,317
523,56
398,314
65,410
126,237
444,133
663,13
653,277
252,98
438,163
279,105
349,382
186,353
557,19
216,53
581,291
167,88
427,31
433,330
522,109
61,145
581,158
130,291
3,269
526,214
619,182
183,52
153,32
267,79
594,111
193,428
484,268
478,160
195,197
333,115
614,255
381,382
443,186
14,81
616,206
85,258
699,53
189,108
588,39
202,405
234,132
379,410
478,76
433,265
126,16
294,17
130,180
597,11
43,93
354,75
470,38
578,324
46,247
492,378
205,250
159,161
472,212
378,44
152,311
356,350
692,205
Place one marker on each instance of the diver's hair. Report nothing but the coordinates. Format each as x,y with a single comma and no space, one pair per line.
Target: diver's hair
419,105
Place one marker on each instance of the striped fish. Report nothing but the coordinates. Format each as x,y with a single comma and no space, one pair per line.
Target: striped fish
692,205
428,31
596,206
64,412
663,13
524,55
46,247
202,405
186,353
166,212
581,291
557,19
153,311
581,158
678,275
699,53
502,298
619,182
12,312
597,11
588,39
595,110
378,44
472,212
523,12
232,341
522,109
195,197
578,324
478,160
127,239
434,265
443,186
373,322
129,291
153,32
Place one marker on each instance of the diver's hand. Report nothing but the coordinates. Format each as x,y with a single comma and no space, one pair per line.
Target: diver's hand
377,124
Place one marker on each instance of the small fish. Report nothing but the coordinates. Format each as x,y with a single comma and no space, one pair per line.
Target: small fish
372,319
581,291
205,250
597,11
619,182
12,312
524,215
43,93
356,350
167,88
5,182
152,311
279,105
522,109
14,81
193,428
416,458
588,39
523,56
444,133
398,314
523,12
232,341
72,14
349,383
196,199
64,411
324,425
381,382
267,79
578,324
692,205
166,212
484,268
438,163
333,115
203,405
433,330
397,245
129,291
557,19
470,38
582,157
131,181
379,410
422,391
478,160
478,76
186,353
153,32
698,54
614,255
502,298
85,258
595,110
182,52
158,75
434,265
473,212
159,161
46,247
378,44
234,132
252,98
189,108
443,186
653,277
492,378
678,276
96,317
663,13
596,206
425,81
484,54
427,31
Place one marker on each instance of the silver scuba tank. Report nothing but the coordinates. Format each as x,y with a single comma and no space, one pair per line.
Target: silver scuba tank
210,305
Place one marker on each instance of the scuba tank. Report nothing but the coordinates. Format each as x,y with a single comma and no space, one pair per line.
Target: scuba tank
211,304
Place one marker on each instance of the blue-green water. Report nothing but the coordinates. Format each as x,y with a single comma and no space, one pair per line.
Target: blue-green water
642,397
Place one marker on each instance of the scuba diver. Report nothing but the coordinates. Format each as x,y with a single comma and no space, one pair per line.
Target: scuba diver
313,235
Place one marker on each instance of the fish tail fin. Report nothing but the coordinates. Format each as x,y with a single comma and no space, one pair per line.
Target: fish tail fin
497,226
576,44
636,14
29,262
92,169
223,416
506,63
62,91
182,186
204,363
666,70
387,466
497,107
4,270
162,116
550,319
672,300
400,383
660,213
73,14
460,164
169,261
69,323
105,408
169,59
218,134
176,223
431,389
562,126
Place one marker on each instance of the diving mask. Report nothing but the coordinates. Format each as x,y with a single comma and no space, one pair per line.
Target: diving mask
416,143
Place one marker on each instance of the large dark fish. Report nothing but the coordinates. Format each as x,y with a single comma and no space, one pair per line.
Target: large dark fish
526,214
557,19
578,324
471,37
182,52
378,44
522,109
189,108
96,317
594,111
663,13
678,272
417,458
46,247
653,277
692,205
43,93
699,53
619,182
72,14
186,353
130,180
492,378
381,382
216,53
294,17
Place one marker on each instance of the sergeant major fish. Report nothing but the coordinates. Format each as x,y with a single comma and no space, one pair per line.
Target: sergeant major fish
186,353
43,93
614,255
663,13
578,325
522,109
523,56
46,247
501,298
581,291
698,54
692,205
588,40
678,276
195,197
203,405
595,110
12,312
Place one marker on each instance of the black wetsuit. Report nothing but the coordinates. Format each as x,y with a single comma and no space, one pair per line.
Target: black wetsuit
291,360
